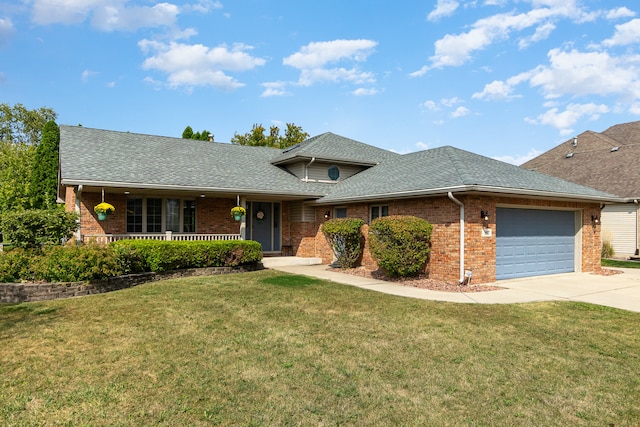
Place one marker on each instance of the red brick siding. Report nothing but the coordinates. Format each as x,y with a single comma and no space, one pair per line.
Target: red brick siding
443,214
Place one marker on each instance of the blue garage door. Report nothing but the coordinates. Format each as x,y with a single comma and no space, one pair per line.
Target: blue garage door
532,242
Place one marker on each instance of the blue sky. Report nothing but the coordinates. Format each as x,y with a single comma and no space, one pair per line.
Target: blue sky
508,79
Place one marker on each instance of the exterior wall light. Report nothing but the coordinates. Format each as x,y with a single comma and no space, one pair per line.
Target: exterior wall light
484,215
327,214
595,219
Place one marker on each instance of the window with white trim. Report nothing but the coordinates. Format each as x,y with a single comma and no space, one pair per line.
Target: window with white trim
157,215
378,211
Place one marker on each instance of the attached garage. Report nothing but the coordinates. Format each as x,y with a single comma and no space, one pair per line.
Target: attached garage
532,242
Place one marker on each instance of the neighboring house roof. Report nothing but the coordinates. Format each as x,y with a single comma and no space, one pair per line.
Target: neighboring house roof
445,169
335,148
100,158
607,161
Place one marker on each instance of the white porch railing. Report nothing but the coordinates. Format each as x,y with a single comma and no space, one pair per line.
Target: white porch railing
108,238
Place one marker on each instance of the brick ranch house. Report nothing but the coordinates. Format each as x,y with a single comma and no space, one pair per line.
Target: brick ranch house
491,218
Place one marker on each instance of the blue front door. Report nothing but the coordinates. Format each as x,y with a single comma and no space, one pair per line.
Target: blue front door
263,223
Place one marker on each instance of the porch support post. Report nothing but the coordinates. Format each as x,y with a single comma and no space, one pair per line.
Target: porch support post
78,210
243,221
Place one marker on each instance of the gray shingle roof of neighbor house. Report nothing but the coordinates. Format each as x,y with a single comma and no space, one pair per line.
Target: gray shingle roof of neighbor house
108,158
439,170
336,148
608,161
120,159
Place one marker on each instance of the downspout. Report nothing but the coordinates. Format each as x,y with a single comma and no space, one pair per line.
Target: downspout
636,202
459,203
306,169
78,233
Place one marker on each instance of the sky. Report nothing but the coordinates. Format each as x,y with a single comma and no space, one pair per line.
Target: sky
507,79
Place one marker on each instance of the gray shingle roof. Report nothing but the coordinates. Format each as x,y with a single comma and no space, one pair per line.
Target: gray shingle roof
450,169
594,164
329,146
120,159
130,159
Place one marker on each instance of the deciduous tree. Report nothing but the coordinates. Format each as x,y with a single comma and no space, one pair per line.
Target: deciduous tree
256,138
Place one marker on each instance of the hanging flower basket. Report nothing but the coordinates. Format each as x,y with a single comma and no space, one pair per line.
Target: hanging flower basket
103,209
238,212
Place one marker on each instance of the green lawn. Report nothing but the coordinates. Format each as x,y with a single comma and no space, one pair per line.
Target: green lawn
265,348
619,263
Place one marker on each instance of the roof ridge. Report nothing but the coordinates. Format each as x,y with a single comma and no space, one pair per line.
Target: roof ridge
459,164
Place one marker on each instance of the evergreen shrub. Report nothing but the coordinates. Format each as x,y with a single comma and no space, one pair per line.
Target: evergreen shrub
400,244
346,240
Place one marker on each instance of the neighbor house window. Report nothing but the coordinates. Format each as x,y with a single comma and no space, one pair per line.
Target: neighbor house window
156,215
379,211
340,213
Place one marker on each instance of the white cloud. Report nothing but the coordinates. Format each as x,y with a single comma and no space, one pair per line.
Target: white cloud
450,102
204,6
431,105
621,12
443,8
313,58
319,54
494,91
274,89
86,74
6,31
587,73
198,65
625,34
460,112
106,15
456,49
422,145
518,160
365,92
564,120
542,33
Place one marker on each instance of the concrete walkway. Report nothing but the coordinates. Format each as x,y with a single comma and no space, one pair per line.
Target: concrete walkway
618,290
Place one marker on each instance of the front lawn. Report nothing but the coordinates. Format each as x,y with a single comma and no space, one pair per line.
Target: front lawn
266,348
605,262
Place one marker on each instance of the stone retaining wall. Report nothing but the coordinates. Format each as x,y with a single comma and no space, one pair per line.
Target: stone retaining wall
27,292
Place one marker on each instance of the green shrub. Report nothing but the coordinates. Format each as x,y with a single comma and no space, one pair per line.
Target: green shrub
400,244
34,228
15,265
77,263
345,239
158,256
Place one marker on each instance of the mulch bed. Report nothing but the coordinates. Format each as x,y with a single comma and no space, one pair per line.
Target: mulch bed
421,281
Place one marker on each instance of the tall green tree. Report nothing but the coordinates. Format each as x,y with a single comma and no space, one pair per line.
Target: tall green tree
18,124
256,137
44,174
16,160
187,133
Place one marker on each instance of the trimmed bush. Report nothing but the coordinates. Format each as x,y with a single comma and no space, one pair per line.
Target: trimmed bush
400,244
34,228
15,265
345,239
77,263
155,255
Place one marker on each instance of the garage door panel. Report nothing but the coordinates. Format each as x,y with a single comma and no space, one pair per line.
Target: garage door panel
534,242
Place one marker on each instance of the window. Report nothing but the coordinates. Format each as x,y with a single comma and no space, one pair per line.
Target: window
379,211
134,216
340,213
333,172
155,215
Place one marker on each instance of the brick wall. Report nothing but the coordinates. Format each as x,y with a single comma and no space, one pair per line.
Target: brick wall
444,215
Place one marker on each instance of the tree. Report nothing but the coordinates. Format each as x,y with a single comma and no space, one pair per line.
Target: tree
256,138
21,125
44,174
16,160
201,136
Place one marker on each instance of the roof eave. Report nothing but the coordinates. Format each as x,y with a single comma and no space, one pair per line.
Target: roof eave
186,188
470,189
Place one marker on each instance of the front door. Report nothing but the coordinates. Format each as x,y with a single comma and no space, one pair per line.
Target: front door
263,223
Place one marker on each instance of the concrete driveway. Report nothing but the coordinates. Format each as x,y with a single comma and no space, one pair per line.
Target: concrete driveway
618,290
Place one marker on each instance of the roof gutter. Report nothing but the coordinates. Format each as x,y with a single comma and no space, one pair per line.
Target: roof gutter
306,169
459,203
